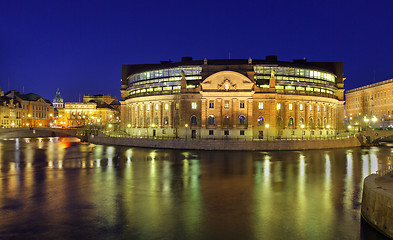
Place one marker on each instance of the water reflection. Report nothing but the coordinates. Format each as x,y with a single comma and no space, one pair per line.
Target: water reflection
59,187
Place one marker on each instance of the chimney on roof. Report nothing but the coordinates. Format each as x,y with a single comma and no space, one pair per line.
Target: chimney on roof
271,58
186,59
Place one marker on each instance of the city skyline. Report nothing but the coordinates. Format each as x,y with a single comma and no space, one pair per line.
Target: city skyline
79,47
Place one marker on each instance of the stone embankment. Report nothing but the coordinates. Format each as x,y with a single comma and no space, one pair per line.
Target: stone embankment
210,144
377,203
35,132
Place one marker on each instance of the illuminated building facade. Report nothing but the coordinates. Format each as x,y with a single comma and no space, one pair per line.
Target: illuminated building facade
36,111
10,113
94,110
239,98
370,105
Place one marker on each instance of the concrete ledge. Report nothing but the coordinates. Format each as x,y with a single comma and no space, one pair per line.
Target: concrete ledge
377,206
237,145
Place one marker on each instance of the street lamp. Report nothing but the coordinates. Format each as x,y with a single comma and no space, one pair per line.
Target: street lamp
186,129
267,131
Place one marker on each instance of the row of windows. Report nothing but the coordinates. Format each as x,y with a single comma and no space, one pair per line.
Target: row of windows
242,121
170,72
226,106
286,71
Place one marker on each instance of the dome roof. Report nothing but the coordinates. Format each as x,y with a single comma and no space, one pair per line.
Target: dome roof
58,98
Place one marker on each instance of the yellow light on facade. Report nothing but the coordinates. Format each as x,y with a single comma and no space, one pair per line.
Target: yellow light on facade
328,126
153,125
302,126
110,125
374,119
186,125
29,115
349,126
129,125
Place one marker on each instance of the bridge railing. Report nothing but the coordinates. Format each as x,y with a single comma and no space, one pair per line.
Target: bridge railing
385,171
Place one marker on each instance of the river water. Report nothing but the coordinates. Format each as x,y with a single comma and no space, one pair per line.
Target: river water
53,188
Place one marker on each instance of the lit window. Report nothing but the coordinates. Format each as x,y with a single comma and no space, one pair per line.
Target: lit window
141,107
278,106
318,108
193,105
310,107
301,107
166,106
324,108
260,105
226,104
290,106
148,107
157,107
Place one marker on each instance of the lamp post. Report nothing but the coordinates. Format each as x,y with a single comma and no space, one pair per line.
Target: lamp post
186,130
267,131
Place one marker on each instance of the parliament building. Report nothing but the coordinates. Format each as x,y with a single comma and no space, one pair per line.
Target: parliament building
233,98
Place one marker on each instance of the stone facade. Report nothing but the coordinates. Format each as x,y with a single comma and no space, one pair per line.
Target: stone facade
232,99
367,105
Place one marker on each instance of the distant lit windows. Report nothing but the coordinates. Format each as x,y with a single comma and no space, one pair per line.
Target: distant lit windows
290,106
194,105
318,108
301,107
166,121
141,107
148,107
260,105
156,107
278,106
166,106
310,107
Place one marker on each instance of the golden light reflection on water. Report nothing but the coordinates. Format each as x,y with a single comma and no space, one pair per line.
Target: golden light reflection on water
195,195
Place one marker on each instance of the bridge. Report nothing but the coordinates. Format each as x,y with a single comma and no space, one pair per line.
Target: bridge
376,135
37,132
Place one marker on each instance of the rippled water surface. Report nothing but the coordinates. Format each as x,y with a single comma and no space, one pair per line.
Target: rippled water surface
55,188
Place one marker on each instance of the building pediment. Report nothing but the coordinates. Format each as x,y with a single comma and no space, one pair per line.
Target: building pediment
227,81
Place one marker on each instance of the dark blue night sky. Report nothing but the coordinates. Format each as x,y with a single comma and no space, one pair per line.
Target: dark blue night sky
79,46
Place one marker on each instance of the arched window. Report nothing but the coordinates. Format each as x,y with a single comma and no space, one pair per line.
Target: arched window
194,121
242,120
261,121
166,120
211,120
319,122
290,122
279,121
148,121
301,122
156,120
226,121
310,122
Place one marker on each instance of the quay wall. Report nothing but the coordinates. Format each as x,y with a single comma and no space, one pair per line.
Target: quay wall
210,144
35,132
377,206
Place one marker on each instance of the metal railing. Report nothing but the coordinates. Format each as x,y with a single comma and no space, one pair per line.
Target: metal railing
385,171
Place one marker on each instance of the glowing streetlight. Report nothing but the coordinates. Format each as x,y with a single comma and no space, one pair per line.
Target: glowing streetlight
186,129
267,131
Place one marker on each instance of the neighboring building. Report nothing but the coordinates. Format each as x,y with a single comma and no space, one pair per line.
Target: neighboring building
36,111
58,103
94,110
233,98
58,100
370,105
10,112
